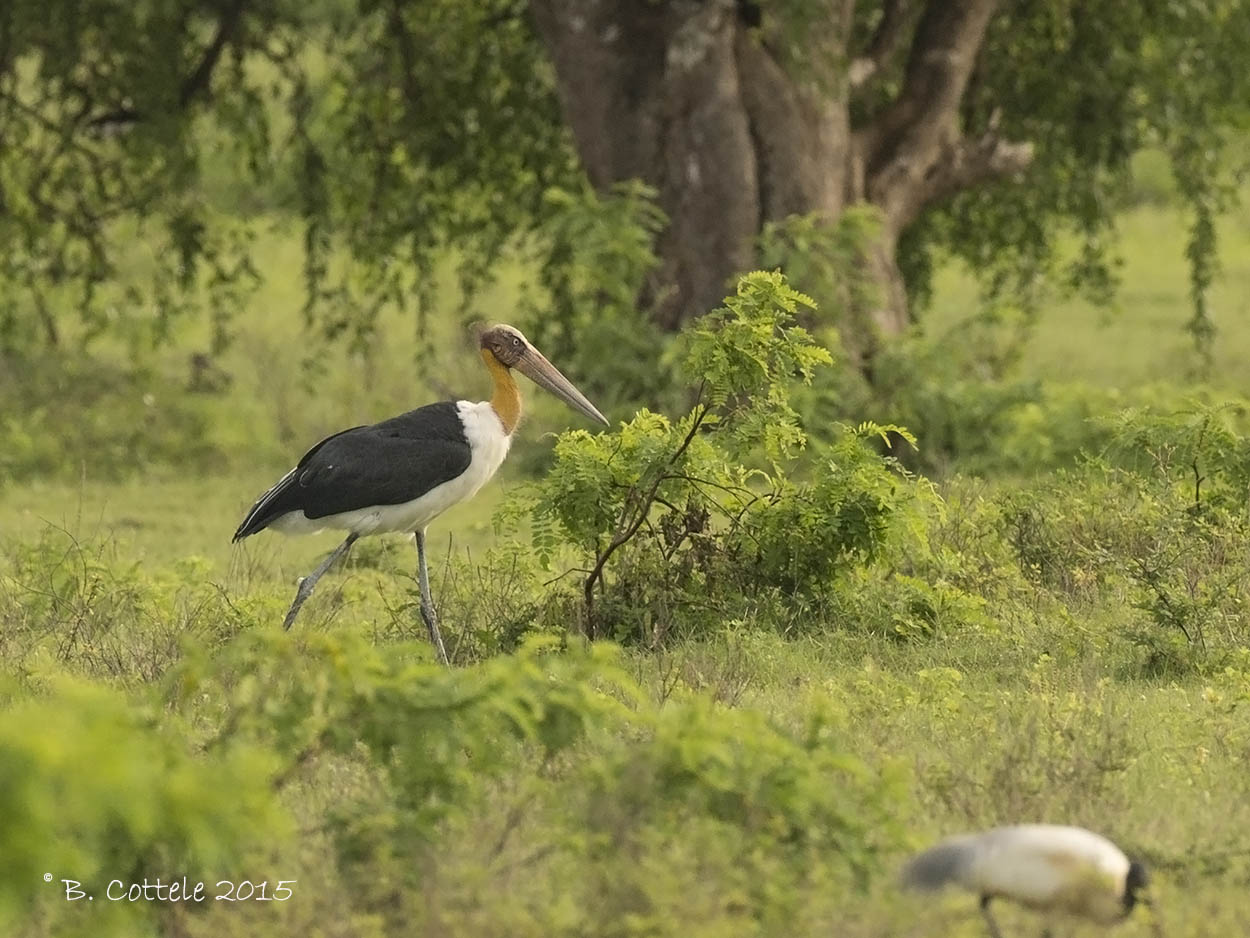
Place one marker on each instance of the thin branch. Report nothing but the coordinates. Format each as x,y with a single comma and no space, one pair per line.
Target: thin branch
197,82
511,821
407,53
905,140
968,162
302,758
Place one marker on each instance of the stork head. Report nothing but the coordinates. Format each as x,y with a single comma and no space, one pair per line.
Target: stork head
1136,881
512,350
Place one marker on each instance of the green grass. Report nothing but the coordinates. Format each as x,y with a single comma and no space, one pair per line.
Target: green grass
1038,711
1142,339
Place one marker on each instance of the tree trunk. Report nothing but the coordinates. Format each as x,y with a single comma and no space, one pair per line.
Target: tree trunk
688,96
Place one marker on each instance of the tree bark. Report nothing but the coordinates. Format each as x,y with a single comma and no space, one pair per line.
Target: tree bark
690,97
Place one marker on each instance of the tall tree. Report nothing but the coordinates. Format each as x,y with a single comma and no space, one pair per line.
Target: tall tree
742,113
713,104
980,127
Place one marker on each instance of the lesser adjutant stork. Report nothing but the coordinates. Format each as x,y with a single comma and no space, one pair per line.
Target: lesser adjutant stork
402,473
1052,869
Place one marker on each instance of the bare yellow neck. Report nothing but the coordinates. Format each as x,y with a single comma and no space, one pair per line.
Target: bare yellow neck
506,398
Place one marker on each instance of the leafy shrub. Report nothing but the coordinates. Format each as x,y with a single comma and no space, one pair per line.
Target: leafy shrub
798,539
94,789
1200,444
1156,525
681,523
462,801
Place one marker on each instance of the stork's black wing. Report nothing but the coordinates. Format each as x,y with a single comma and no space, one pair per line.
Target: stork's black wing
387,463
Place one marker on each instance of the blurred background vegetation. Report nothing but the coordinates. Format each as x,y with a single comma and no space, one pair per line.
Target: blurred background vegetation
943,525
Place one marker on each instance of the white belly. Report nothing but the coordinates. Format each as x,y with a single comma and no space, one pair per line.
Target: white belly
1051,868
489,445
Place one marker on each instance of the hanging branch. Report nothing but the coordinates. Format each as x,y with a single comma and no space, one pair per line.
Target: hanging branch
194,85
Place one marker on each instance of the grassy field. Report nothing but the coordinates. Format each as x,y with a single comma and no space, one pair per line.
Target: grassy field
1142,339
726,785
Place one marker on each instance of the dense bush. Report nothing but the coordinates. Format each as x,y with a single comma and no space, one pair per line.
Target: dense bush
684,523
419,798
93,788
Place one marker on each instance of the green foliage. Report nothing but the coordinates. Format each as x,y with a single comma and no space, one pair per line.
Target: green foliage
776,815
895,605
93,789
616,783
800,539
1188,448
1090,88
594,253
1160,523
395,132
744,358
437,735
447,109
826,261
123,121
962,393
123,419
695,520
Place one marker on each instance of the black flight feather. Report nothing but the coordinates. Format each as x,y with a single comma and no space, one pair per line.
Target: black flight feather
386,463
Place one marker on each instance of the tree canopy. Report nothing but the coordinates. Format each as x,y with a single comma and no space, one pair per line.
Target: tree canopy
398,129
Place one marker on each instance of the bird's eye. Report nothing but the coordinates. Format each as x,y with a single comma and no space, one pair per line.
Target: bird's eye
516,342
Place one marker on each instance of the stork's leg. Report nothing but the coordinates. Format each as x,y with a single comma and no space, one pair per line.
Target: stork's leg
427,604
989,919
307,583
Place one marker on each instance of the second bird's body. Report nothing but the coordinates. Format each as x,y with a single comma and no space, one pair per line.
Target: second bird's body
1050,868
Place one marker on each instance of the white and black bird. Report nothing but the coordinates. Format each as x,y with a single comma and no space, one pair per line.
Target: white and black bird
1054,870
402,473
